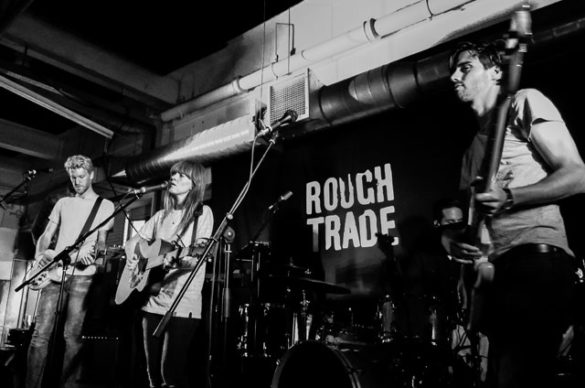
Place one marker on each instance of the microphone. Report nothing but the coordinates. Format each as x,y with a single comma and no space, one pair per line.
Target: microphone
148,189
32,172
290,116
280,199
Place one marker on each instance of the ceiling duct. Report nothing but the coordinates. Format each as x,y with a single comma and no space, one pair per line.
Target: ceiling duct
229,138
387,87
205,136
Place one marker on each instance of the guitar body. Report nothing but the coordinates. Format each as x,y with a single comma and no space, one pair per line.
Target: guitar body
53,274
148,273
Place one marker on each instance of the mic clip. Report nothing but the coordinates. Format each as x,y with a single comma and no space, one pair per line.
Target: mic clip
30,174
266,130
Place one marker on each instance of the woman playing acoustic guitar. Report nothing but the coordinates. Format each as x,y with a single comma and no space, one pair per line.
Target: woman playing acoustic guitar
184,222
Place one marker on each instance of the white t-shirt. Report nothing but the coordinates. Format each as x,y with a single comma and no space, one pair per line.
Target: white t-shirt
166,229
70,214
520,165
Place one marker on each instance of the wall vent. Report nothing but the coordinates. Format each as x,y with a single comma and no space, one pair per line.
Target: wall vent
290,93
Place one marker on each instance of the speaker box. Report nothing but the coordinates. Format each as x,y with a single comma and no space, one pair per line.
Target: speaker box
99,361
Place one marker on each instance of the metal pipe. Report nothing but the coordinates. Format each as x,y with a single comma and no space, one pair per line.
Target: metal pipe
368,31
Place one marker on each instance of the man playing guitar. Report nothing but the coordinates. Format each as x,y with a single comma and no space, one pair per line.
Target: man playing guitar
528,302
68,217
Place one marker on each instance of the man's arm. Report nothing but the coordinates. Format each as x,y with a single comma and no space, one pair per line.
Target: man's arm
567,171
44,241
87,254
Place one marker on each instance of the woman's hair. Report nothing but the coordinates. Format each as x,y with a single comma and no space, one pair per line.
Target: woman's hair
192,204
78,161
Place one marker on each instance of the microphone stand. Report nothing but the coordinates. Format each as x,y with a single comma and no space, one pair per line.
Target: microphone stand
267,217
226,301
26,180
221,307
211,243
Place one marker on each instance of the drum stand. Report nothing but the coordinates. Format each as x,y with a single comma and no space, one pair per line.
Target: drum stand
301,321
474,340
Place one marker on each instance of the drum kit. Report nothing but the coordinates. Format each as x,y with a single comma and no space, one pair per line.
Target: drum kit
307,341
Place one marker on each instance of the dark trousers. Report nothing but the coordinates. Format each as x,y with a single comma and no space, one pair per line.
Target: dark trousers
530,307
167,356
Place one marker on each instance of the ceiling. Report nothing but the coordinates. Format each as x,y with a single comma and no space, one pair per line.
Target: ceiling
154,37
159,36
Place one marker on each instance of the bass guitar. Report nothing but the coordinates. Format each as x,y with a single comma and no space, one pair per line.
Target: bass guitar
476,229
148,270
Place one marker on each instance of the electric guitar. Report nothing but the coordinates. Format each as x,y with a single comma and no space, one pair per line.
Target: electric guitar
148,270
55,272
486,181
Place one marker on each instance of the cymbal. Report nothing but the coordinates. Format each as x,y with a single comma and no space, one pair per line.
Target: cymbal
311,284
295,267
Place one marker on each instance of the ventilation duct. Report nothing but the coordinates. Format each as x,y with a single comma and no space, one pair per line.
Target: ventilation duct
387,87
224,130
226,139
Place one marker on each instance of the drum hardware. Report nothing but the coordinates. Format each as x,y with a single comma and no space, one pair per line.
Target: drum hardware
264,331
302,320
307,284
386,318
313,364
438,323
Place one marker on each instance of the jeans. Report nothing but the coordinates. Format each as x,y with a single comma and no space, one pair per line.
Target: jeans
166,357
530,305
73,316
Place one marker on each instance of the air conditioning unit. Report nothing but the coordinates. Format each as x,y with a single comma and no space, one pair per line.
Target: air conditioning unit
290,93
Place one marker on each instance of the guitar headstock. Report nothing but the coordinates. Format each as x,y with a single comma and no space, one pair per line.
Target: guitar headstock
517,39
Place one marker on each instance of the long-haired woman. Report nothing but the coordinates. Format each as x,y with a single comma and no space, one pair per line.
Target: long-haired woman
184,221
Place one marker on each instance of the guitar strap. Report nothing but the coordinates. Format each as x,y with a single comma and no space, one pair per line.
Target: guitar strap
195,222
91,217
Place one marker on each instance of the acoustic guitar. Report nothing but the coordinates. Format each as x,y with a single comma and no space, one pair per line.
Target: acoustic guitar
148,273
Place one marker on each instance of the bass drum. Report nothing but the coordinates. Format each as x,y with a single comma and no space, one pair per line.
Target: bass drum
314,364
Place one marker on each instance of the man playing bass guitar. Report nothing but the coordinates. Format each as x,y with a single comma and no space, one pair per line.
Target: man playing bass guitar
69,218
528,301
